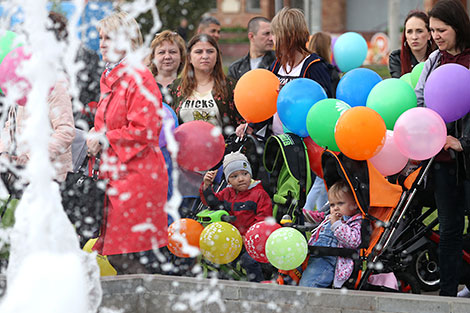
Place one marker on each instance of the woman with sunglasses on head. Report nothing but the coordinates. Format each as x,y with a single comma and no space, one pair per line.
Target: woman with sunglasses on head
126,132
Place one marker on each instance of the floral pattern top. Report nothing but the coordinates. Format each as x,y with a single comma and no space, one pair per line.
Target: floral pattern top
226,105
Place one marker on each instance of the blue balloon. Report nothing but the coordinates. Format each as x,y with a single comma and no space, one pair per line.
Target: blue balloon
295,100
173,114
355,86
168,115
350,51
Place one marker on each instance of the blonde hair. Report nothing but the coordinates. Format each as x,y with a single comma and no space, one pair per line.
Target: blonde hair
339,190
173,38
122,23
320,43
291,32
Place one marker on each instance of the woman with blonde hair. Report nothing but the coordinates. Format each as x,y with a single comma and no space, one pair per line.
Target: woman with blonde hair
167,57
126,132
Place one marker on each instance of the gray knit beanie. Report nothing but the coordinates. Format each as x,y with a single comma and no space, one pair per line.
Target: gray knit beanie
235,161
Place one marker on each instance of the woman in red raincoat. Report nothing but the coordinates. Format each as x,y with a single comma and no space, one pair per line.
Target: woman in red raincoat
134,220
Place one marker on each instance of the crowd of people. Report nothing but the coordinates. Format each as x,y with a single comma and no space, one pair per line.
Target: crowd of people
126,123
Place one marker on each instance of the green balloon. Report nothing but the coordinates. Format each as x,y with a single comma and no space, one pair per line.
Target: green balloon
286,248
7,43
390,98
407,78
416,73
321,121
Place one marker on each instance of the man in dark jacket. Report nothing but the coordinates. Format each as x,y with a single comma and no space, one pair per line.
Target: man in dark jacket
261,53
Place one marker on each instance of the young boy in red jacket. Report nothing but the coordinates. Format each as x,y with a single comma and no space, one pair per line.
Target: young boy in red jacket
243,197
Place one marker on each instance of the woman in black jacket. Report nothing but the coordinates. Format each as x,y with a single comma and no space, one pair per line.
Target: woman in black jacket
416,44
450,26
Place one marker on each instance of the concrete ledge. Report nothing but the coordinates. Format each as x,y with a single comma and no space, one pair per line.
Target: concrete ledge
158,293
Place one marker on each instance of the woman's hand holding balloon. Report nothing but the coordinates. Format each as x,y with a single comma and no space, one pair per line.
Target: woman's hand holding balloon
453,143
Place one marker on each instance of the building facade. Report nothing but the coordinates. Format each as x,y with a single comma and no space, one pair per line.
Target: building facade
334,16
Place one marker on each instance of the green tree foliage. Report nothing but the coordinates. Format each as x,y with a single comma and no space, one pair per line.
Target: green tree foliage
172,11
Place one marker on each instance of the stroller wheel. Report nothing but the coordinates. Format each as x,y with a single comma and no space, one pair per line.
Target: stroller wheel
425,268
407,283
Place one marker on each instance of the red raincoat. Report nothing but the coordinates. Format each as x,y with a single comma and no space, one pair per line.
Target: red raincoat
134,219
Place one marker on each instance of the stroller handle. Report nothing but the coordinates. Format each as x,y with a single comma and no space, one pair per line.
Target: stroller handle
228,218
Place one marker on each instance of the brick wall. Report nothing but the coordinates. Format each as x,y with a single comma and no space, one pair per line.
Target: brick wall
242,17
334,16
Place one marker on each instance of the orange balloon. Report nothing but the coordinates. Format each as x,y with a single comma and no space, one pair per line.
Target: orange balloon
188,229
255,95
360,133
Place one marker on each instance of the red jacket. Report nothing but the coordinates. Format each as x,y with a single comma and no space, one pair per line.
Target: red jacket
134,219
250,206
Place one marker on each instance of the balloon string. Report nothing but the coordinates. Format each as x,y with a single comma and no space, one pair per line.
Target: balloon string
244,131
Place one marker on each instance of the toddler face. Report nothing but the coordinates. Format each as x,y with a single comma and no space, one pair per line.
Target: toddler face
344,205
240,180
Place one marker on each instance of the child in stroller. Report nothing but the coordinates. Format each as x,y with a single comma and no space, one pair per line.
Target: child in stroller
340,228
243,198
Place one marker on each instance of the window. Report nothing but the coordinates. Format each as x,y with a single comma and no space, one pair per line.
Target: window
253,5
213,5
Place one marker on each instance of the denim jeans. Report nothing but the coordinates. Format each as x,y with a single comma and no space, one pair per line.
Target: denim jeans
451,201
318,196
320,271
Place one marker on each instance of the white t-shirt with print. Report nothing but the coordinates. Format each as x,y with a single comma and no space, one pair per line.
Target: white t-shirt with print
285,76
200,107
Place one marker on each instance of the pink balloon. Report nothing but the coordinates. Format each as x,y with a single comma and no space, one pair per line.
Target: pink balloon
9,75
389,160
420,133
256,237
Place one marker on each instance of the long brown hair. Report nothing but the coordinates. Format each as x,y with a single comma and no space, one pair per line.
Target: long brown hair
188,79
291,32
320,43
172,38
405,54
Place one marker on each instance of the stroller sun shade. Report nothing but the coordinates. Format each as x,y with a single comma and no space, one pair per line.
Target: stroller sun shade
369,187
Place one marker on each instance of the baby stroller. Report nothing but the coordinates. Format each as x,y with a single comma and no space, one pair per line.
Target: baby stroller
383,206
286,176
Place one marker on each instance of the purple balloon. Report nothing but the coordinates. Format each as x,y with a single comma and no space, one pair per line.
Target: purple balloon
333,41
447,91
168,117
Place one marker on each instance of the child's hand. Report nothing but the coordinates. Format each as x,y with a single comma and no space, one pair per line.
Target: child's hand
208,179
335,216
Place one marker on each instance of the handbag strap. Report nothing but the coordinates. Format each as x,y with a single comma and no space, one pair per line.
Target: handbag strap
95,171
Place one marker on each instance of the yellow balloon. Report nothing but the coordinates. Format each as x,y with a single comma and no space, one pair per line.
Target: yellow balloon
106,269
220,243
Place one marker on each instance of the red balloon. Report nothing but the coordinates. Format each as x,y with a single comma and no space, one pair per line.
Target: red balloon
201,145
314,152
256,237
